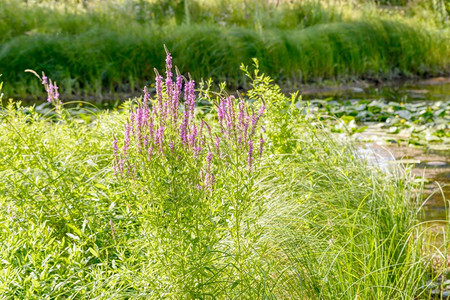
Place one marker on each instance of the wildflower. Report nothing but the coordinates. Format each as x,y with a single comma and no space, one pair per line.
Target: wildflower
176,97
183,128
209,158
52,91
163,128
159,88
150,153
241,114
250,154
193,136
146,97
261,146
189,97
126,143
217,143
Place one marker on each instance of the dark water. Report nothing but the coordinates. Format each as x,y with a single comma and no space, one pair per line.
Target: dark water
434,89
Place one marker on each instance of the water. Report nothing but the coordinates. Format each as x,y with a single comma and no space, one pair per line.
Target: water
433,89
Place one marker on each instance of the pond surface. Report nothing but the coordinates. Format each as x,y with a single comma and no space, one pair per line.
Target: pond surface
403,123
433,89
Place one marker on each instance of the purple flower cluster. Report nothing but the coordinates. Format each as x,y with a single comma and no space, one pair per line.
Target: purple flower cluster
52,90
169,129
241,130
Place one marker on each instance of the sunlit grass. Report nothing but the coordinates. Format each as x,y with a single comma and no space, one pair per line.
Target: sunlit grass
311,220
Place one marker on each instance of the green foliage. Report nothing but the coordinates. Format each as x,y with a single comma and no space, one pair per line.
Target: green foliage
311,221
113,48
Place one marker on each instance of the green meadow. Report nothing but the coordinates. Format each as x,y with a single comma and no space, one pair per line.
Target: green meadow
191,191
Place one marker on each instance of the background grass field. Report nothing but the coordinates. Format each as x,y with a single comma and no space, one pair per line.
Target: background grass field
94,47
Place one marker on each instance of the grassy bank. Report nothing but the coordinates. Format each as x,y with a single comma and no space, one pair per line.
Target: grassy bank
141,202
114,49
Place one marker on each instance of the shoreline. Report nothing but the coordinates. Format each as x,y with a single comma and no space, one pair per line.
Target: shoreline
307,91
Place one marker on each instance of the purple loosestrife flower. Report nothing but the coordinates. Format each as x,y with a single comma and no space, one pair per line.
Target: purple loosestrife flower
146,98
169,91
52,91
151,128
250,154
200,130
139,124
49,90
245,130
121,162
231,112
164,112
126,142
159,93
218,144
209,181
150,153
159,138
169,81
261,146
168,61
221,111
176,98
145,117
189,96
193,136
241,113
157,133
183,128
55,93
209,158
197,151
255,118
132,121
207,127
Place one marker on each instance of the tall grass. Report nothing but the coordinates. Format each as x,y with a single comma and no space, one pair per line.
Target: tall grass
100,60
309,219
109,50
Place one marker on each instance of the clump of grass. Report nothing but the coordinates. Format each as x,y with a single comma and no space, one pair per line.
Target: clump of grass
306,218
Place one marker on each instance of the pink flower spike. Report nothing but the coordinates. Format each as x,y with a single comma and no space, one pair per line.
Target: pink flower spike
217,143
159,94
261,146
209,158
250,154
146,97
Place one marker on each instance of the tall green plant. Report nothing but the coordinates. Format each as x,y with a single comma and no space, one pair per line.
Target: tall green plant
194,182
